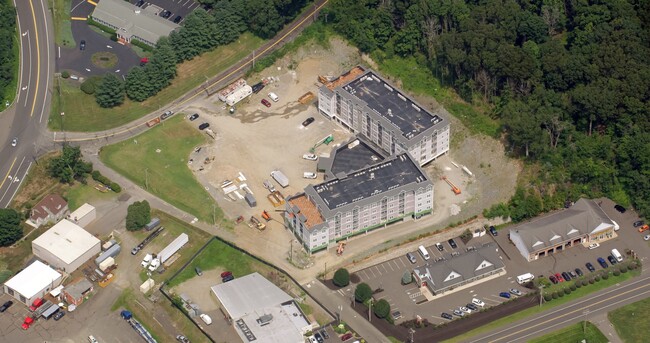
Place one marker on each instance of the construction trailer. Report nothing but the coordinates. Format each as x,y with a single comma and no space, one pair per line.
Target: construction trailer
280,178
250,199
231,88
111,252
173,247
239,95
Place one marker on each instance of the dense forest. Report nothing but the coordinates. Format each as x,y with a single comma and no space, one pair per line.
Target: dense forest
569,81
7,43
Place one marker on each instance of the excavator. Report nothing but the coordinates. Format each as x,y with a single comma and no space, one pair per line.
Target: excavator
454,189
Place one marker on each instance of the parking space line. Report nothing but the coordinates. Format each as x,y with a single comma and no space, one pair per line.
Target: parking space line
386,269
365,276
396,265
403,264
373,273
378,271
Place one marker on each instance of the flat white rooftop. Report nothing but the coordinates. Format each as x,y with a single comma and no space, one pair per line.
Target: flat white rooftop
82,211
33,279
66,240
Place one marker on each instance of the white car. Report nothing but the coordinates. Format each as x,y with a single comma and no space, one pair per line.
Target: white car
465,309
310,157
206,319
146,260
593,246
92,339
14,142
478,302
155,263
309,175
515,291
646,238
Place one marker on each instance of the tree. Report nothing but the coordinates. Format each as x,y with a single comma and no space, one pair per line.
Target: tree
10,229
138,87
88,86
407,278
363,292
138,215
381,308
341,277
110,92
69,165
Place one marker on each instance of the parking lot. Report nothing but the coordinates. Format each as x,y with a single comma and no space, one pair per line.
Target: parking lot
175,7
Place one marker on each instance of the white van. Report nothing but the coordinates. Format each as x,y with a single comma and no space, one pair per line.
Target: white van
274,97
523,278
206,318
423,252
617,255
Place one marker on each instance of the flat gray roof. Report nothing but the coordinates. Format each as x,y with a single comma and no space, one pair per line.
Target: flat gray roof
355,155
410,118
247,294
132,20
365,183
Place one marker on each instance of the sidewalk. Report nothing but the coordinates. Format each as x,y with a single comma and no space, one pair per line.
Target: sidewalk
602,322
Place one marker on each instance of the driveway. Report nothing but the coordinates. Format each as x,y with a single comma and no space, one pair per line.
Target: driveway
78,62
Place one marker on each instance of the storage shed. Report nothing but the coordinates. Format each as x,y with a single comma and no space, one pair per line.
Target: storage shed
111,252
250,199
84,215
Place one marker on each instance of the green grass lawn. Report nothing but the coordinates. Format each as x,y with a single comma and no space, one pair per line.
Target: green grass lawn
631,321
572,334
79,194
579,293
83,114
219,254
62,25
168,175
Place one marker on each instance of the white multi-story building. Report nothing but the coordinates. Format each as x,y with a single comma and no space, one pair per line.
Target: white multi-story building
364,103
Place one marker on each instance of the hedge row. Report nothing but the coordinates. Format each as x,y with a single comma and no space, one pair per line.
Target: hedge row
97,176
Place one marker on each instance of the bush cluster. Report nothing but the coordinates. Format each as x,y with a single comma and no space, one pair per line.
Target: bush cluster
97,176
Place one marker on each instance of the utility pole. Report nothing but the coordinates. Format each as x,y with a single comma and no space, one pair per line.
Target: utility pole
146,178
253,59
214,213
291,251
370,310
541,294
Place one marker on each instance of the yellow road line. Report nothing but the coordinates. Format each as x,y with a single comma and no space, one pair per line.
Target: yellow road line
92,2
38,59
214,83
571,312
8,171
79,18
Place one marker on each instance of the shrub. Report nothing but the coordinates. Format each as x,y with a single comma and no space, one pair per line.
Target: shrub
381,308
578,284
623,269
605,276
585,282
573,287
362,293
554,295
617,273
115,187
88,87
547,297
591,281
560,294
567,291
341,277
65,74
597,278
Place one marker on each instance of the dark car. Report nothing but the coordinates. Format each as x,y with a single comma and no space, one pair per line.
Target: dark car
619,208
228,278
198,271
602,262
308,121
82,45
504,295
204,126
6,305
319,338
166,14
257,87
612,260
472,307
638,223
440,247
553,279
59,315
324,334
346,336
194,117
267,103
579,272
566,276
178,19
140,3
452,244
493,231
166,115
446,316
590,267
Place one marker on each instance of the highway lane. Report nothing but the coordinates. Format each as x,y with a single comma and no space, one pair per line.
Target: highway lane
573,312
27,119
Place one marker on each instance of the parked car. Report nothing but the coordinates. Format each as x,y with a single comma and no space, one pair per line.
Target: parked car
226,273
346,336
204,126
198,271
14,142
178,19
140,3
452,243
6,305
82,45
612,259
515,292
257,87
135,250
644,227
646,238
559,277
267,103
573,274
194,116
590,267
310,157
579,272
396,315
465,309
602,262
307,121
92,339
459,313
493,231
309,175
228,278
440,247
566,276
478,302
638,223
472,307
319,338
553,279
182,339
166,14
447,316
166,115
324,333
593,246
59,315
504,295
619,208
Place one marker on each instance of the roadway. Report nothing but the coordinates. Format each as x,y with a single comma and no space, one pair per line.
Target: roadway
26,119
585,308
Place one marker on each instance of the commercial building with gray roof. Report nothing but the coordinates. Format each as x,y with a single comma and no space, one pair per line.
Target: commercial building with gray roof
454,272
582,223
132,22
365,103
359,201
356,154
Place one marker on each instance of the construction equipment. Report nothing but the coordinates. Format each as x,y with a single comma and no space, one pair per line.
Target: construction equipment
306,98
339,250
327,140
239,219
276,198
257,223
266,215
454,189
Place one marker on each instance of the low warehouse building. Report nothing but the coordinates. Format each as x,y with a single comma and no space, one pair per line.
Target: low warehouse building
74,293
32,282
260,311
66,246
84,215
583,223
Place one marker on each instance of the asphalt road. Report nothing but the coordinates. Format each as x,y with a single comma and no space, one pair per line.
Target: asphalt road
26,119
595,304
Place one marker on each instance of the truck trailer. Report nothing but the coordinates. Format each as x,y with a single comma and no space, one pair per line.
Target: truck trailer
280,178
